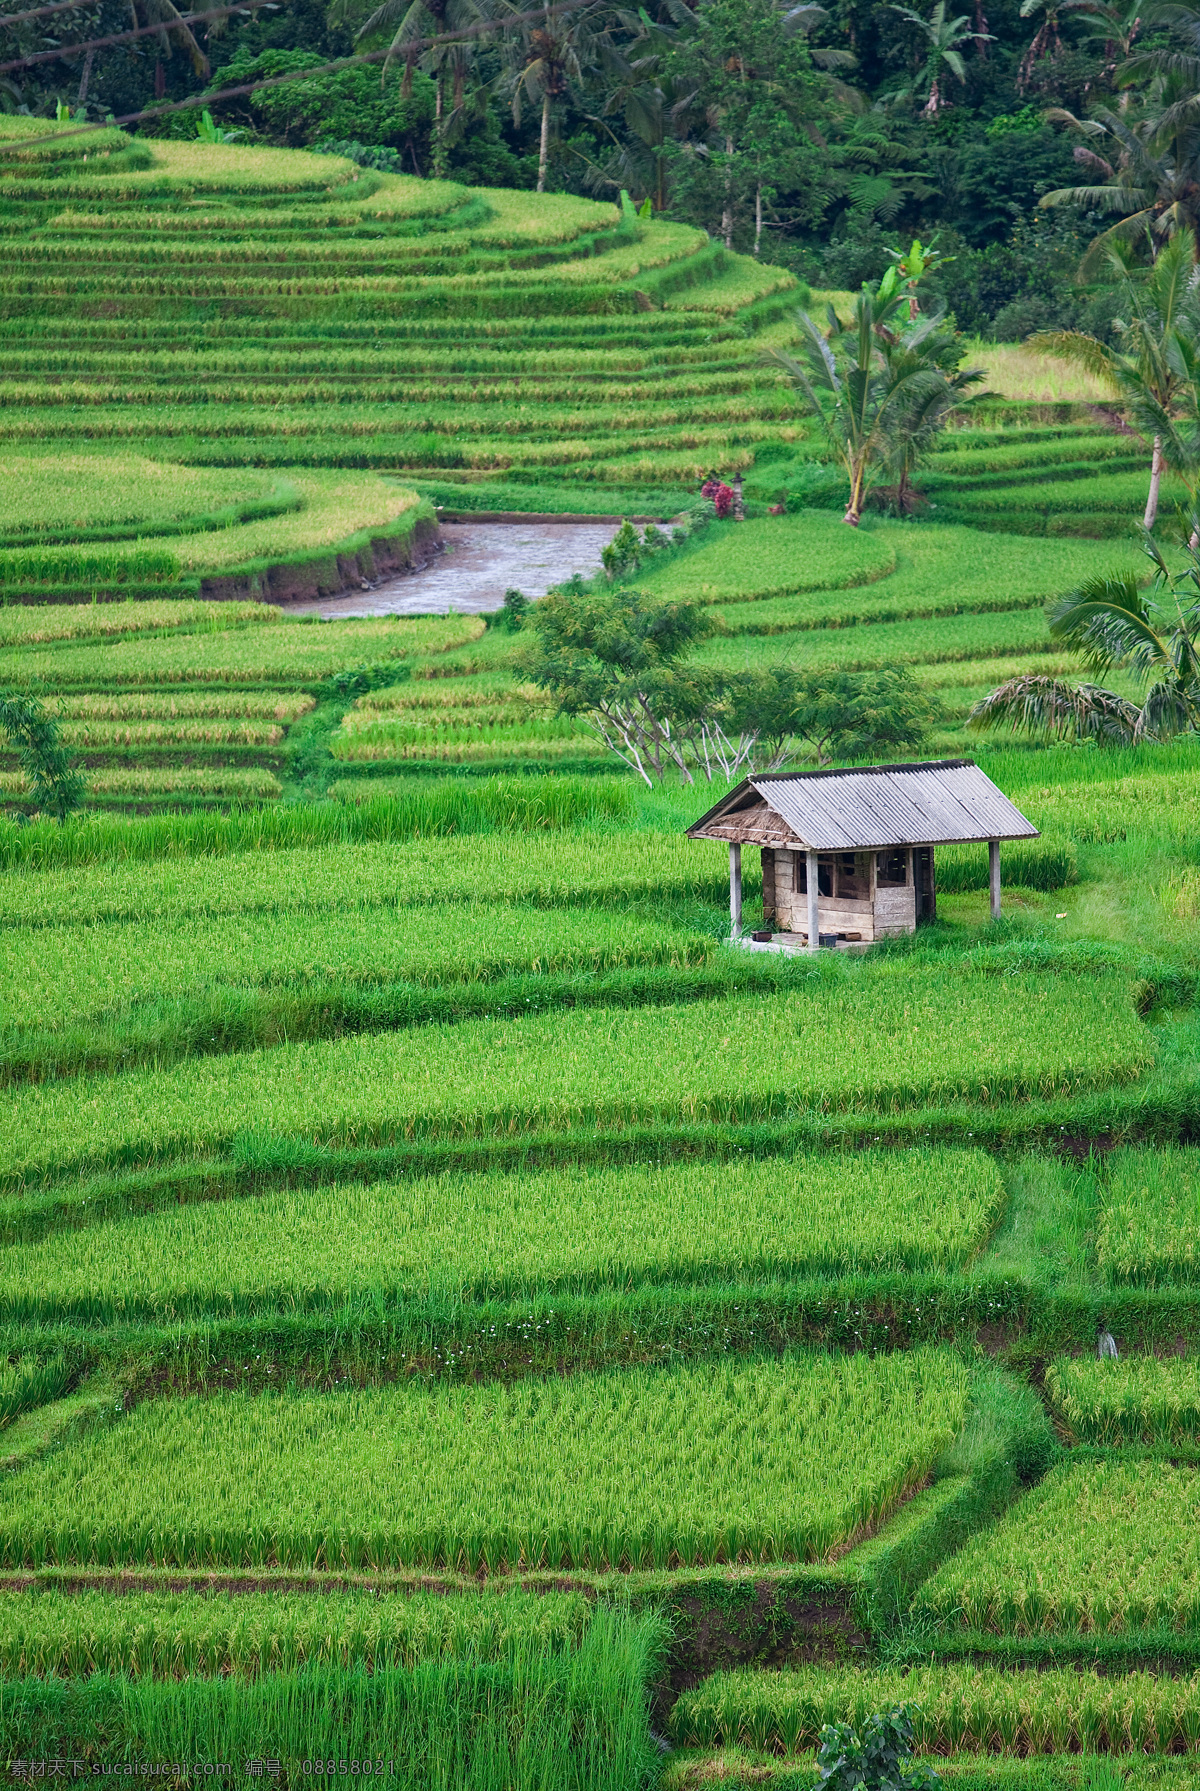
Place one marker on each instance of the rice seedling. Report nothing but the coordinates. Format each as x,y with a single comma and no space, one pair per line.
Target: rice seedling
956,1709
1149,1216
787,1458
295,653
555,863
1100,811
1018,373
1110,1546
243,783
183,705
787,638
868,1043
102,736
502,1236
163,1634
53,975
935,572
777,555
36,624
72,496
389,740
1141,1399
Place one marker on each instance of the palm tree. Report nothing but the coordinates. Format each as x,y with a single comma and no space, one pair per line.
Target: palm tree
1114,625
868,384
932,403
414,21
1155,373
942,38
545,60
1047,39
1150,171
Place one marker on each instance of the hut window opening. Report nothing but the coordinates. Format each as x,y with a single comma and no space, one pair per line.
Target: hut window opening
800,875
891,869
854,876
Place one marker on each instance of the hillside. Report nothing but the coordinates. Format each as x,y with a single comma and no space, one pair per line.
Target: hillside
462,1322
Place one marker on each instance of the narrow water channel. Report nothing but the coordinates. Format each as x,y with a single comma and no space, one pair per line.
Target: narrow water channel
481,562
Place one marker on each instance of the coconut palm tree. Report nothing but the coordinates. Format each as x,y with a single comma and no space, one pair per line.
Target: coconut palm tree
942,39
1047,39
546,60
1114,625
413,21
1153,371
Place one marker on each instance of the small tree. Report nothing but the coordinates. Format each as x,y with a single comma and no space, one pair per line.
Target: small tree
56,787
615,660
861,715
877,1757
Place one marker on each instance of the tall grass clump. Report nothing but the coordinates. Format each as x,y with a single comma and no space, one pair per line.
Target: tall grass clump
429,810
576,1719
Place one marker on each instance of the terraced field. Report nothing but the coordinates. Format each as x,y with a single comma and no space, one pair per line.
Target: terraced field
461,1322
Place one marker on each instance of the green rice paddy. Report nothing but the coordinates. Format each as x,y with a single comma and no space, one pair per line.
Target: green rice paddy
455,1311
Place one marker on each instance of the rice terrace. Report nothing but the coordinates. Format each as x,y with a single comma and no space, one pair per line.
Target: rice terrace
600,894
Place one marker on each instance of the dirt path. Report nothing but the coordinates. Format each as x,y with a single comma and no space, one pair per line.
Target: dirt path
482,560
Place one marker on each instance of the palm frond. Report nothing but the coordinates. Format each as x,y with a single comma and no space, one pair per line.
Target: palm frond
1108,622
1037,704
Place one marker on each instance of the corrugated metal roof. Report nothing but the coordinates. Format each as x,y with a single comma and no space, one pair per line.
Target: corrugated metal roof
938,803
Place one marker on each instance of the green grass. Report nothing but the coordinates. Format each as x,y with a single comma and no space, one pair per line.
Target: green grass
573,1717
940,570
433,808
500,1236
1105,1545
896,570
955,637
735,562
641,1467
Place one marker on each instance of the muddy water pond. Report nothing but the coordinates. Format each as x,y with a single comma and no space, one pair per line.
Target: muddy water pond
482,560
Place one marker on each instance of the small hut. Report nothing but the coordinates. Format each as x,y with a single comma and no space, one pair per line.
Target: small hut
847,856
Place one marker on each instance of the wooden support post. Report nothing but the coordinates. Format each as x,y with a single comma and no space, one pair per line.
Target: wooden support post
735,890
814,912
994,876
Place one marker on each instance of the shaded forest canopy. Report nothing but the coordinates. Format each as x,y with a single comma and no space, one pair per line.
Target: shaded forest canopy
813,136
